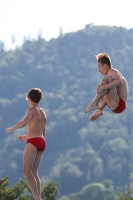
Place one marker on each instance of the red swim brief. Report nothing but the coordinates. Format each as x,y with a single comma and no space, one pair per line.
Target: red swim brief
121,106
38,142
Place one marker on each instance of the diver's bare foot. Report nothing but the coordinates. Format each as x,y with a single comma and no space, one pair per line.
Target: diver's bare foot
96,114
92,106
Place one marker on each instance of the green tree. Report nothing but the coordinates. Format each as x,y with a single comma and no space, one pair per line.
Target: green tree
21,191
12,193
50,191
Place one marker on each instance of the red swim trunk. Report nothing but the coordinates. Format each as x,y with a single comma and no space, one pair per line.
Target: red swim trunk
38,142
121,106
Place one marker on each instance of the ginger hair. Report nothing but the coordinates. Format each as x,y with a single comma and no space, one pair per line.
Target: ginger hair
103,58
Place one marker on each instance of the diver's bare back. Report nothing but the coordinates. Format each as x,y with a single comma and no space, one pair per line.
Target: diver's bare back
37,123
122,89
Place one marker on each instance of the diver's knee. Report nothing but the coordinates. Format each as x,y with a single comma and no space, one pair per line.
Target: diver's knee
106,79
25,171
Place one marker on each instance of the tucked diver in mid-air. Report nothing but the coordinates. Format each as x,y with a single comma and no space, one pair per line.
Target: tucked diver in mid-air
113,90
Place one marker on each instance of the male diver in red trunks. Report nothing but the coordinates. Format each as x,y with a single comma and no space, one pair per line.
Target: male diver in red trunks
113,90
35,120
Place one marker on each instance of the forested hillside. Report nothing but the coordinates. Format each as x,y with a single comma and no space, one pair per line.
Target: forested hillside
79,152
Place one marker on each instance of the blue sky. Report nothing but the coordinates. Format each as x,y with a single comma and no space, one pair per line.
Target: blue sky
25,17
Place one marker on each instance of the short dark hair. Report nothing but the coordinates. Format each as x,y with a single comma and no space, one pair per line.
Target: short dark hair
103,58
35,94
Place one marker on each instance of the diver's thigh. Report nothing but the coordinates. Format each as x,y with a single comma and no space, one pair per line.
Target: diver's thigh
112,98
29,156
